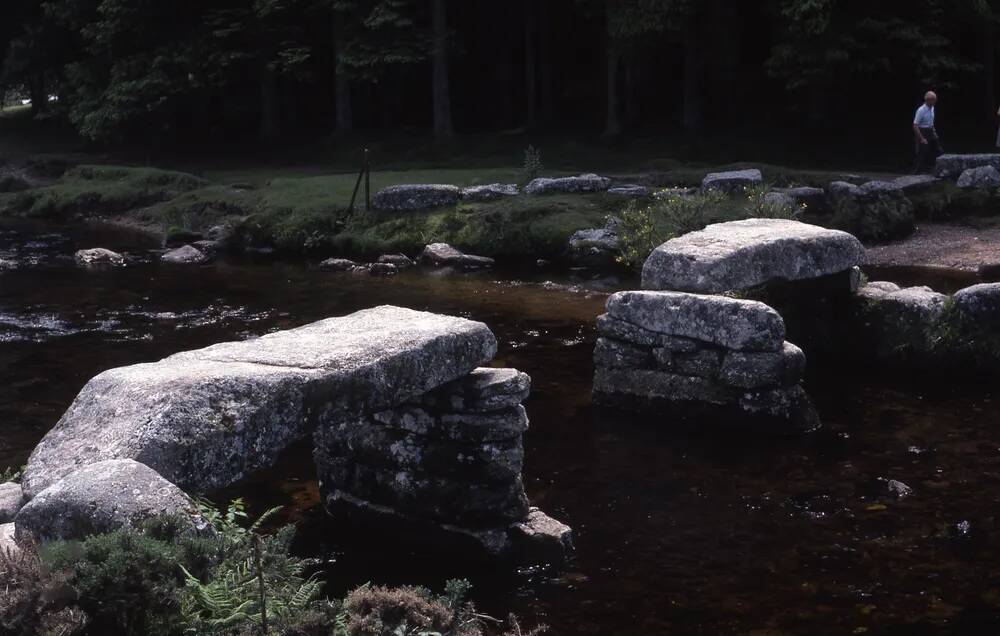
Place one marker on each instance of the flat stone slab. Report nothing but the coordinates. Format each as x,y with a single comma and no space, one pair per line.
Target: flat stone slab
422,196
732,181
204,419
732,323
100,498
490,192
583,183
744,254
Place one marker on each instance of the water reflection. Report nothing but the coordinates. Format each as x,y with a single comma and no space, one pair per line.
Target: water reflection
693,533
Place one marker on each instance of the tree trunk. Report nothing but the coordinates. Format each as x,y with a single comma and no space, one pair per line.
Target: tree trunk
530,62
341,82
442,98
545,64
37,94
505,72
268,104
692,76
631,91
613,124
986,45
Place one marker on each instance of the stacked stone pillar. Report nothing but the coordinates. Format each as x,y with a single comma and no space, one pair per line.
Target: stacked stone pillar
700,355
451,458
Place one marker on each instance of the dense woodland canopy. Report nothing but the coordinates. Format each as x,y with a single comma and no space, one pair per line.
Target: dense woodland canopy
131,70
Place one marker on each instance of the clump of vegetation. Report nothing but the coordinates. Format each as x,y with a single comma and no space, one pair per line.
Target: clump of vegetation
644,226
876,219
11,474
532,167
162,580
100,190
761,203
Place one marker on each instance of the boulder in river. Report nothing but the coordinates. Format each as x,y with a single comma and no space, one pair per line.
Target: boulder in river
424,196
541,539
981,177
951,166
444,255
732,181
400,261
102,497
98,256
338,265
744,254
205,419
595,246
581,184
742,325
186,255
490,192
11,500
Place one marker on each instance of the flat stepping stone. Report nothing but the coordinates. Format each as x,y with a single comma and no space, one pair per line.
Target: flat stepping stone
732,323
581,184
745,254
732,181
400,198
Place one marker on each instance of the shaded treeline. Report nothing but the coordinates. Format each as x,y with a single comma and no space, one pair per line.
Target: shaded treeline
170,71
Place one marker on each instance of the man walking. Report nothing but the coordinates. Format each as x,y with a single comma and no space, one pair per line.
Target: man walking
928,142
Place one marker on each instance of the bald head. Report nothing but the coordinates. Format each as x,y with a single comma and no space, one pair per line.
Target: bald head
930,98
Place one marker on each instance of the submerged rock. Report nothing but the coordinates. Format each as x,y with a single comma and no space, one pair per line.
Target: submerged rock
727,322
204,419
187,255
490,192
102,497
11,500
442,254
743,254
982,177
98,256
583,183
401,198
733,181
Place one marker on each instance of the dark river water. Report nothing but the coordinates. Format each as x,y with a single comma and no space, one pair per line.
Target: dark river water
676,533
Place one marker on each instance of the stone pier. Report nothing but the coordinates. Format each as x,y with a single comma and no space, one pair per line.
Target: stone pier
693,343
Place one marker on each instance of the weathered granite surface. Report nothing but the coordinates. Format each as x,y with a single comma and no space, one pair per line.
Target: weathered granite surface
102,497
444,255
732,181
727,322
490,192
583,183
400,198
98,256
981,177
11,500
186,255
204,419
950,166
743,254
981,303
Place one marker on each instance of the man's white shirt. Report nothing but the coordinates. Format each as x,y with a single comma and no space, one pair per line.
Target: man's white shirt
924,117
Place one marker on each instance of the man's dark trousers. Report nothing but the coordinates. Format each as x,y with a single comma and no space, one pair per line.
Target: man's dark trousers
927,153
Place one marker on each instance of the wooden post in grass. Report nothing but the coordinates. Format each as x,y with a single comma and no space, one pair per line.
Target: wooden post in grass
357,184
